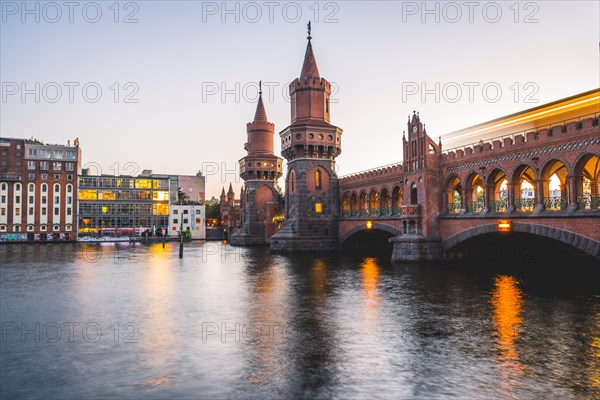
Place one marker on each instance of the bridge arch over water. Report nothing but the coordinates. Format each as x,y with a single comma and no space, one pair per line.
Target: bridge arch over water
582,243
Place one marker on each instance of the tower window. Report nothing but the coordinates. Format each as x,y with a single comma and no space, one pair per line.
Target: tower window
327,105
317,179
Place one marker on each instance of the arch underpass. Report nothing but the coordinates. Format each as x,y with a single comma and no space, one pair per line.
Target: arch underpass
364,236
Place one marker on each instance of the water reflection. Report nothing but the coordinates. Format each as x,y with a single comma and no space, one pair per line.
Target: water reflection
507,304
323,326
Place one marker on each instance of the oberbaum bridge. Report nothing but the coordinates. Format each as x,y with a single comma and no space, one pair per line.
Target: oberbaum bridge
536,172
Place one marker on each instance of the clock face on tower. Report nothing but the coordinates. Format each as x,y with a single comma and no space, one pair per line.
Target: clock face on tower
414,129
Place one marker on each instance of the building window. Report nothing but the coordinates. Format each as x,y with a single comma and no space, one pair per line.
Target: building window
3,199
3,211
57,166
175,220
318,207
69,177
30,210
185,211
57,188
4,186
317,179
30,164
69,200
17,186
31,200
56,228
43,199
185,220
58,154
43,228
175,212
32,176
69,166
56,177
32,152
44,188
17,211
17,199
69,188
31,187
16,228
2,228
56,210
44,177
71,155
18,163
44,165
56,199
69,211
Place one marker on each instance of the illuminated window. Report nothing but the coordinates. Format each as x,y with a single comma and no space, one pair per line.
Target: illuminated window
160,209
319,207
104,209
88,195
143,183
317,179
160,195
107,195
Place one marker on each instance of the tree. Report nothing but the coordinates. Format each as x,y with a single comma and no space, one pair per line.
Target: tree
213,211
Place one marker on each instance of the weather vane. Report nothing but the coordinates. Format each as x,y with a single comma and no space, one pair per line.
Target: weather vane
308,26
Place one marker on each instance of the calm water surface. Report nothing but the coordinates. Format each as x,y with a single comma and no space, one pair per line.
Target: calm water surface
131,321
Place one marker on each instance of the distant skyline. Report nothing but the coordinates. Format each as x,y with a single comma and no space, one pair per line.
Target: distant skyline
187,73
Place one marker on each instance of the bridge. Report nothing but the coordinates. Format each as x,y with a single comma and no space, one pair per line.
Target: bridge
543,182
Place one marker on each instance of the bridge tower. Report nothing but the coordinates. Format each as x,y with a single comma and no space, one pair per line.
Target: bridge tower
310,144
259,169
421,237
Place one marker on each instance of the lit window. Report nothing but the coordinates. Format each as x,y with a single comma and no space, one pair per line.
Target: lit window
317,179
319,207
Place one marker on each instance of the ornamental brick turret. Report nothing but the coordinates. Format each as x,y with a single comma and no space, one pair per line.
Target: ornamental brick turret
260,170
310,144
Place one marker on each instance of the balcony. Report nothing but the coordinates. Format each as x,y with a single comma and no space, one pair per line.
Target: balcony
411,211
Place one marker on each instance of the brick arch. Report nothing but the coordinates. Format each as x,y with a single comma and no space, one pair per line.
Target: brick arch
493,171
376,225
585,244
450,178
548,163
518,169
578,164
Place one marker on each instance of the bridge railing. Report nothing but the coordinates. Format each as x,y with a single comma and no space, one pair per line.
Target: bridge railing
524,132
588,202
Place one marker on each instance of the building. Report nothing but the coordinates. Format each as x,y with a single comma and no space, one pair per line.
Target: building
231,212
124,205
127,205
260,169
310,145
188,217
38,186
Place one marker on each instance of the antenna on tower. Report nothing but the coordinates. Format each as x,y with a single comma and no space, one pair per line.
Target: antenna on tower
308,28
259,87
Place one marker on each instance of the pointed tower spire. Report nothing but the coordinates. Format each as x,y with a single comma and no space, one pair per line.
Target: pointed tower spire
261,114
309,68
223,192
230,191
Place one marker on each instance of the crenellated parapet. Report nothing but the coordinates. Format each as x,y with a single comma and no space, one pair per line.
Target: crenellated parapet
521,142
376,175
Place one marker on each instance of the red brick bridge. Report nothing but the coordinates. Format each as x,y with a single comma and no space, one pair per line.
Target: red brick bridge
543,181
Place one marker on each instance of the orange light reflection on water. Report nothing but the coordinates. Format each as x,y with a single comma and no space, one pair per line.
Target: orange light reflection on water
507,306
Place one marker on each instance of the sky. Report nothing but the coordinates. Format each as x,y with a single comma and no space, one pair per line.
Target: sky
170,86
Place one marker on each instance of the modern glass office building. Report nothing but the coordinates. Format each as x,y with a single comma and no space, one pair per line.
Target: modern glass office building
124,205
